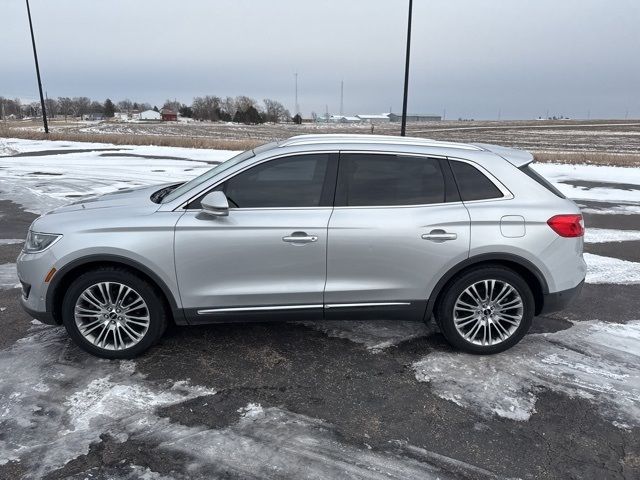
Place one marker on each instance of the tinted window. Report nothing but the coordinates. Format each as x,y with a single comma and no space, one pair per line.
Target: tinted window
378,180
472,183
296,181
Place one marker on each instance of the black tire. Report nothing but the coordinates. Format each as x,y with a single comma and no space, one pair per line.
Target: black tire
154,303
444,311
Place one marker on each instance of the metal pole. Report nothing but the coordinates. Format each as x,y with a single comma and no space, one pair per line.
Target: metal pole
403,128
35,56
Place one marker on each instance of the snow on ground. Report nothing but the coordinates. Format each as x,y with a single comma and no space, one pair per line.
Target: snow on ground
11,241
619,209
593,360
625,177
602,269
55,401
375,335
8,276
605,235
43,182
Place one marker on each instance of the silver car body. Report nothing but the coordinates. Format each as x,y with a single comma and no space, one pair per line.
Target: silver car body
358,262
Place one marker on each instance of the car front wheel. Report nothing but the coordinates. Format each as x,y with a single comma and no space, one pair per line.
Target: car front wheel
487,310
113,313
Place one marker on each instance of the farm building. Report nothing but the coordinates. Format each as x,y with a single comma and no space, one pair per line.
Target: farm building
415,118
150,115
374,118
168,115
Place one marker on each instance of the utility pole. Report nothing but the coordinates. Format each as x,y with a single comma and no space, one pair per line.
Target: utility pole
35,57
297,105
341,97
403,128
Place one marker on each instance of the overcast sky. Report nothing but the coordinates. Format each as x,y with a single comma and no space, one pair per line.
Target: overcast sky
474,58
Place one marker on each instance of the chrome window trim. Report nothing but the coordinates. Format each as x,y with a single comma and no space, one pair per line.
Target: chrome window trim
277,156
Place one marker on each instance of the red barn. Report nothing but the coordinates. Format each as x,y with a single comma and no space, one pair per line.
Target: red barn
168,115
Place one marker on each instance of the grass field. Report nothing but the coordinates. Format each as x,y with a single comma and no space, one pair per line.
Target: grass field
603,142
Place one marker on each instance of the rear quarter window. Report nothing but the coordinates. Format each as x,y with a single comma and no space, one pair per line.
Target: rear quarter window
531,173
472,183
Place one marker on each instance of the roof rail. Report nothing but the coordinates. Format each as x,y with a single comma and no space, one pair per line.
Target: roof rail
380,139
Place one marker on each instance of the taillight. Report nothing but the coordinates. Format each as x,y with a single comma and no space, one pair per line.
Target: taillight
567,225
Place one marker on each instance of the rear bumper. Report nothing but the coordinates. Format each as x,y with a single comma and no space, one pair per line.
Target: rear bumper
554,302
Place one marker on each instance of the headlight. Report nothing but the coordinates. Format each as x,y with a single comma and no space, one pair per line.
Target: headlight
39,242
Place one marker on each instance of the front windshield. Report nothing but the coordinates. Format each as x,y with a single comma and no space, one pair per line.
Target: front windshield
227,164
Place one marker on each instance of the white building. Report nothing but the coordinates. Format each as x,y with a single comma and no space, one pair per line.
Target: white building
150,115
374,118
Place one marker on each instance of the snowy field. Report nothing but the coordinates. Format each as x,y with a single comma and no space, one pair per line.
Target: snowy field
57,404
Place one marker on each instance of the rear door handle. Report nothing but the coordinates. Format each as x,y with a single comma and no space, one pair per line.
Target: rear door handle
300,238
439,236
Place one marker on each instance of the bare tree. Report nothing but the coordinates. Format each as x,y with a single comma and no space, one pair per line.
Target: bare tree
275,112
125,105
172,105
65,104
52,107
206,108
81,106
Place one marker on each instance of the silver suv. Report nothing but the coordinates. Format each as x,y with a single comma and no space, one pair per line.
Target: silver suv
315,228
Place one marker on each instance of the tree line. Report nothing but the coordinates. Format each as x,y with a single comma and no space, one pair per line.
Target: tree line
240,109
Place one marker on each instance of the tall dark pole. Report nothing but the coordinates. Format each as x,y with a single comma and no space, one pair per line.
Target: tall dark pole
35,56
403,128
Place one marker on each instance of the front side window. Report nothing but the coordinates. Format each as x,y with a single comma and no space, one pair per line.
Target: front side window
389,180
472,183
296,181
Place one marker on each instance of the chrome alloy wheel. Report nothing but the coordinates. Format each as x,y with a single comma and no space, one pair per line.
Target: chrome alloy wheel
112,316
488,312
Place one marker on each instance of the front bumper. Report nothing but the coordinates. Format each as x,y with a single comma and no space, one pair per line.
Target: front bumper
554,302
44,317
32,270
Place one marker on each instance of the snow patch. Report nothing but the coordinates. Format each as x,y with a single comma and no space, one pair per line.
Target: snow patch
604,235
375,335
40,184
596,361
8,276
55,401
601,269
11,241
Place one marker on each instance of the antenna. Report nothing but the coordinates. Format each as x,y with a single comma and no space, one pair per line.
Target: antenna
341,97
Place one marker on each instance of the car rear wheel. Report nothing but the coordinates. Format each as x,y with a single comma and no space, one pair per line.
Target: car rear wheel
113,313
487,310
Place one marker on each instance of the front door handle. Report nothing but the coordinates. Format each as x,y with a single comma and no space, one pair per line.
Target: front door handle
439,236
300,238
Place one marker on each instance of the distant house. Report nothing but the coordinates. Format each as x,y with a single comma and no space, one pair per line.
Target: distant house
168,115
150,115
413,117
93,116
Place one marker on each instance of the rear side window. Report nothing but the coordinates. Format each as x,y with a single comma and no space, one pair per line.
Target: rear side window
472,183
381,180
541,180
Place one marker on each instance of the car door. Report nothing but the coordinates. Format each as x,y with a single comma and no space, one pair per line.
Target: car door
266,258
398,225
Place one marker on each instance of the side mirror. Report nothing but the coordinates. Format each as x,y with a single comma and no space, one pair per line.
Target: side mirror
215,204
